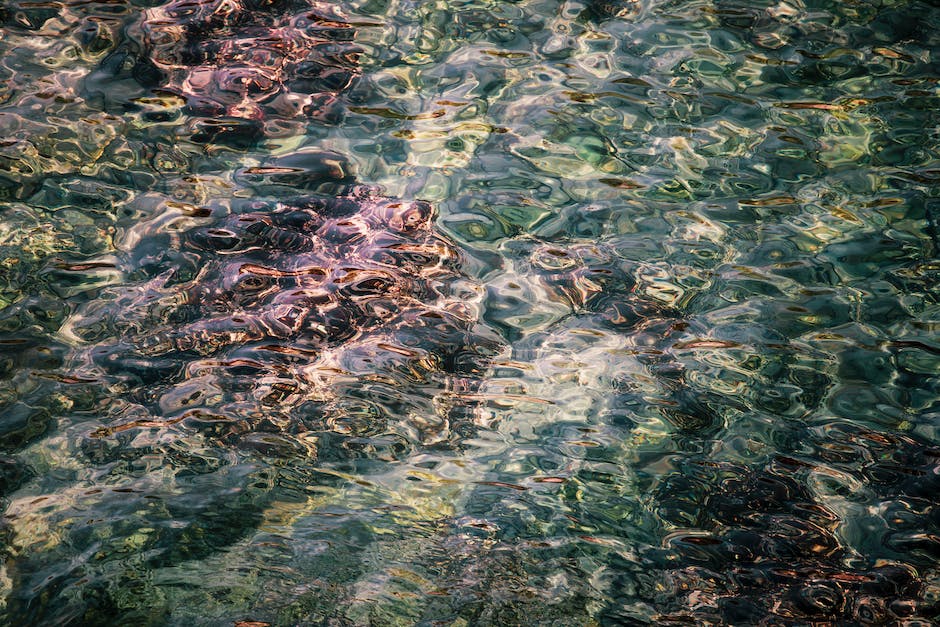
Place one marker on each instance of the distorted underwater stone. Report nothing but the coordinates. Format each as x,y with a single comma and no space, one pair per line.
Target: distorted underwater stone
261,330
245,69
773,540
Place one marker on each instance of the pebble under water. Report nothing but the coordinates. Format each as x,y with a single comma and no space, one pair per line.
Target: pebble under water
489,312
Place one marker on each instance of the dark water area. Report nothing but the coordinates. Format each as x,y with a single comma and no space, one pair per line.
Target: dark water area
470,313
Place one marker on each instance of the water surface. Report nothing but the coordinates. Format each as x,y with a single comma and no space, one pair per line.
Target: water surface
534,312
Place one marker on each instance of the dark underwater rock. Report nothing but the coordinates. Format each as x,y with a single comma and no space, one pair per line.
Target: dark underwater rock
603,10
294,330
240,65
765,541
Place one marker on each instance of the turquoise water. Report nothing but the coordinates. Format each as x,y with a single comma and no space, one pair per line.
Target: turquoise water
469,313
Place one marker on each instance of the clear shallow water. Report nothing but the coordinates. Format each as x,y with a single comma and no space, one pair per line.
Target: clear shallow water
659,344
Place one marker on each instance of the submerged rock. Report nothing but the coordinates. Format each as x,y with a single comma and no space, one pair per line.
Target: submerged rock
772,541
243,65
312,330
602,10
293,297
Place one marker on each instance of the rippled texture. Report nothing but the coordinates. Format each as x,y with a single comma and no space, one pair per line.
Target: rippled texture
526,312
246,70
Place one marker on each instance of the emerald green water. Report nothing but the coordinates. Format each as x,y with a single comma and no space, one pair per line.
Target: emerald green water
469,313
